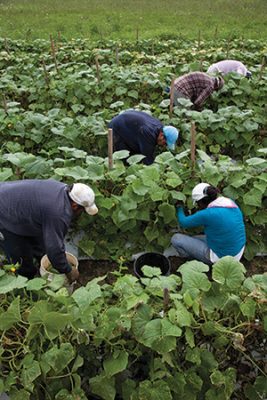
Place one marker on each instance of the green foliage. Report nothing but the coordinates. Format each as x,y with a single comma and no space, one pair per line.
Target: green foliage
123,340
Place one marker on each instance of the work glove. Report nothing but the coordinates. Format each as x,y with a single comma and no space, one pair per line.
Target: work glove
73,275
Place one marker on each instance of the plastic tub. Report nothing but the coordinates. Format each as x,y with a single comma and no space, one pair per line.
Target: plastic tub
45,264
153,260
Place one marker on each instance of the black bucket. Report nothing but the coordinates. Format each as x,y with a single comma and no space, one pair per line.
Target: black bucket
153,260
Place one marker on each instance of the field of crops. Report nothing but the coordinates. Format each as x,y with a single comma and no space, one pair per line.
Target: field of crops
185,336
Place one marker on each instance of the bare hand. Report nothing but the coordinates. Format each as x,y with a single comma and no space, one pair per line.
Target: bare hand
73,275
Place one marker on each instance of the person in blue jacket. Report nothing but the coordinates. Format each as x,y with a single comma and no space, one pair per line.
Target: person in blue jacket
139,133
223,227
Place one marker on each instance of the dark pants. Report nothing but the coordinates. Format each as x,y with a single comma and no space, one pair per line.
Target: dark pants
25,250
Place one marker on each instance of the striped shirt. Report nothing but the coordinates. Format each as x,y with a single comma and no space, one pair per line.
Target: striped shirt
196,86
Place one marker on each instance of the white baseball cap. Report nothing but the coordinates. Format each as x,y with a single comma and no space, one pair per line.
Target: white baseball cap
198,192
85,197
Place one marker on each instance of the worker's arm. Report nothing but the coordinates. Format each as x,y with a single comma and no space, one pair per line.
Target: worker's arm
54,230
198,103
147,142
191,221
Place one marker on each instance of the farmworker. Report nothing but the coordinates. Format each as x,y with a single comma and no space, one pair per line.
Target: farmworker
197,87
227,66
139,133
34,218
223,227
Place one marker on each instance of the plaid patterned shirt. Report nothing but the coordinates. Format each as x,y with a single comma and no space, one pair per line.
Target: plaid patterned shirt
196,86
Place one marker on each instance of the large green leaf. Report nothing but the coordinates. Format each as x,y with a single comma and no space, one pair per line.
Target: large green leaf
10,282
103,386
85,296
194,278
167,212
116,363
157,390
57,358
11,316
228,272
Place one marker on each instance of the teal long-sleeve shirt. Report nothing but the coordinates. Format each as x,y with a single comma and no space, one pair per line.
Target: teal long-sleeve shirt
224,228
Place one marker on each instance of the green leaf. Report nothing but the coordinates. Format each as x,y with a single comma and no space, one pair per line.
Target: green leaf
85,296
30,373
183,317
120,90
167,212
248,308
77,173
116,363
57,359
257,391
9,283
103,387
228,272
193,277
54,322
5,174
189,337
11,316
36,284
157,390
151,271
135,159
120,155
253,198
133,93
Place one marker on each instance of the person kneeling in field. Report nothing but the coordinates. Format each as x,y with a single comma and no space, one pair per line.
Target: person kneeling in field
227,66
196,87
34,218
223,227
139,133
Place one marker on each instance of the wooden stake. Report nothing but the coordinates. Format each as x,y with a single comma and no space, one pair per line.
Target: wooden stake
97,69
110,148
153,51
46,76
166,299
6,46
137,34
117,54
4,103
53,51
193,144
199,38
263,64
228,47
216,33
172,97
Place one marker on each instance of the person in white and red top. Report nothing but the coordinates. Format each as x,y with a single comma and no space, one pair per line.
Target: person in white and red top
227,66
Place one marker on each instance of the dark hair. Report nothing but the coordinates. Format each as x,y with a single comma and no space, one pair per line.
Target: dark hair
211,193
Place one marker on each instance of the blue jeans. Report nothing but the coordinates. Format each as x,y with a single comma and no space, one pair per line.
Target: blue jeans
192,247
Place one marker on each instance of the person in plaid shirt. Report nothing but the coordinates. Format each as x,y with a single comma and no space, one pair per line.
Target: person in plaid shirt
197,87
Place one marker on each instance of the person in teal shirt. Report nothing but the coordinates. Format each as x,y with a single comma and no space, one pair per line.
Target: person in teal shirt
222,220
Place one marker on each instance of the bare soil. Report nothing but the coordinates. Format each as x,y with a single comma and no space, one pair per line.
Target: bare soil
90,269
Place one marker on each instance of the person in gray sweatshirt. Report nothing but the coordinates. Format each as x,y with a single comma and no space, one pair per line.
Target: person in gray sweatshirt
34,218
